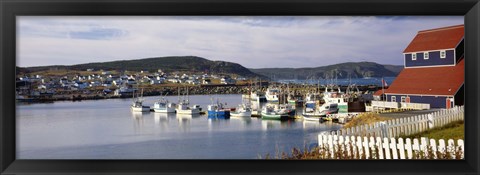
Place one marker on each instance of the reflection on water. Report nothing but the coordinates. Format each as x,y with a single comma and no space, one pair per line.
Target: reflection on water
138,121
162,120
108,129
244,120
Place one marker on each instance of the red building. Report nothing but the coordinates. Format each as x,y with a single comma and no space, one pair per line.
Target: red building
434,69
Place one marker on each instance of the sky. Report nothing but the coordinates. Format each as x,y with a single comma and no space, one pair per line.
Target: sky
252,41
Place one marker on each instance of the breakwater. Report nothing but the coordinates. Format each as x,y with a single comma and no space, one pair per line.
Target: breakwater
297,90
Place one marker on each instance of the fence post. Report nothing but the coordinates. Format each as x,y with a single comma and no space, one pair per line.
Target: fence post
441,146
401,148
460,146
371,145
423,145
408,147
393,146
367,148
335,146
433,144
430,121
341,145
320,141
383,128
451,148
380,147
360,147
354,146
330,145
347,146
416,145
386,145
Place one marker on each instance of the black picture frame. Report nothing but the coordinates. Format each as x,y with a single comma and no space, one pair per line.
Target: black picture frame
11,8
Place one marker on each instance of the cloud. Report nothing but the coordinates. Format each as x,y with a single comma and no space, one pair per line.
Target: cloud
255,42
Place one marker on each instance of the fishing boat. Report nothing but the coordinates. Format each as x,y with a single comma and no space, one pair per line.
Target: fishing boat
243,110
258,96
275,112
311,111
184,108
217,110
272,94
164,106
290,98
137,104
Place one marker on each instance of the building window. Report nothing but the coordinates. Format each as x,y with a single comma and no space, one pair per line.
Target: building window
414,56
443,54
425,55
403,99
394,99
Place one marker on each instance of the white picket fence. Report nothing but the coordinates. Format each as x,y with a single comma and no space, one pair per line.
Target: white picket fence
399,105
389,148
404,126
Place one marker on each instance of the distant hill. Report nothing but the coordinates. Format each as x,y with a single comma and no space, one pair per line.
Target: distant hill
343,70
167,64
195,64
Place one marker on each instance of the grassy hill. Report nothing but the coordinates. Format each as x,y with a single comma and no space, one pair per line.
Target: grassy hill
167,64
343,70
193,64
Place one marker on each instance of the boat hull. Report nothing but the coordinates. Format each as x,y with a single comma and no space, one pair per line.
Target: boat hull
272,100
164,110
188,111
219,114
241,114
140,109
312,118
274,117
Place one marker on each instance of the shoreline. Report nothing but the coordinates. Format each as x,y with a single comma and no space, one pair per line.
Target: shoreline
298,90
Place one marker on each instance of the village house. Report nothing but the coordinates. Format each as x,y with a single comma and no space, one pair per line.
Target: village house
227,80
433,70
107,83
206,81
192,81
80,85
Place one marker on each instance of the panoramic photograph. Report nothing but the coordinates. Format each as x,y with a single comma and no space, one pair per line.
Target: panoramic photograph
240,87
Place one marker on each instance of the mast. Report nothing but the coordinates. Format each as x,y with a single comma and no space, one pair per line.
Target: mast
178,94
188,98
133,95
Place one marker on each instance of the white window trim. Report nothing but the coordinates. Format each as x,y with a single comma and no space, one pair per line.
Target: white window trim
426,55
393,99
414,56
403,99
444,54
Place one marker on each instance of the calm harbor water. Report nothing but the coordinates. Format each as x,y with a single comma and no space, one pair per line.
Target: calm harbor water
107,129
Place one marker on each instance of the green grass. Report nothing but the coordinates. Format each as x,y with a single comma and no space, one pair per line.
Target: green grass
455,130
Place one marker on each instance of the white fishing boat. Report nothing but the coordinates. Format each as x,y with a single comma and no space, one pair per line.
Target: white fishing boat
184,108
277,111
243,110
164,106
137,104
272,94
257,96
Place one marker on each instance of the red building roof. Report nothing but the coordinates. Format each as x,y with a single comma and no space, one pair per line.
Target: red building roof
436,39
378,93
444,80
